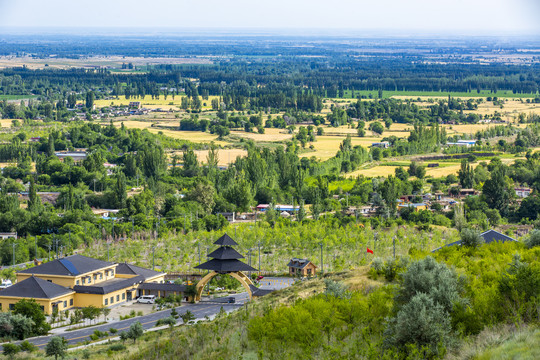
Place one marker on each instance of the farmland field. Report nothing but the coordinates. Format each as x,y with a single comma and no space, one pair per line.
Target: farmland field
5,122
148,102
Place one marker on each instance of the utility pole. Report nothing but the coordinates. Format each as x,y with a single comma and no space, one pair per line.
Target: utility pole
322,263
132,227
107,251
57,241
199,247
153,257
394,245
49,246
14,245
36,249
259,244
112,231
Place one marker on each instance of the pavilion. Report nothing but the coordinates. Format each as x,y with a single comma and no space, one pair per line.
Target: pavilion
224,260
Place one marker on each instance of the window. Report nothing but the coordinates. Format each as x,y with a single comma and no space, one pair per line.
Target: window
11,306
112,299
112,272
123,298
49,281
100,276
117,298
84,281
65,304
42,308
0,306
70,302
77,282
95,277
106,301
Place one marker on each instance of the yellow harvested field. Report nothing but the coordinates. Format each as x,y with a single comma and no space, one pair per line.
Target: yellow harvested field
226,156
5,122
193,136
269,135
374,171
133,124
327,146
148,102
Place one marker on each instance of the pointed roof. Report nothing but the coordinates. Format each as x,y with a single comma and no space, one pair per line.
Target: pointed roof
34,287
493,235
225,253
224,266
69,266
225,240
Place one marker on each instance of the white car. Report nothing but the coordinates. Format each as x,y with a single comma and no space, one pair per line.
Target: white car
147,299
5,284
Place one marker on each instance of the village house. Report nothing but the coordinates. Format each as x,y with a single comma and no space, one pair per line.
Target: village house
8,235
301,267
382,145
522,192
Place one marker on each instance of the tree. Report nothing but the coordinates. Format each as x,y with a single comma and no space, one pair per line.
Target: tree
471,238
50,147
191,163
57,346
135,331
90,100
203,194
496,191
466,175
187,317
10,350
32,310
533,239
376,127
34,201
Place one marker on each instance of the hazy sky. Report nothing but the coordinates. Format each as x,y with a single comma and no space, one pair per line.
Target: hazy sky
402,16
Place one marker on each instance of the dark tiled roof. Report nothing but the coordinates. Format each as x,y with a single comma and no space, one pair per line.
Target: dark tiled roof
225,240
255,291
488,236
492,235
162,287
108,286
128,269
69,266
298,263
224,253
225,265
34,287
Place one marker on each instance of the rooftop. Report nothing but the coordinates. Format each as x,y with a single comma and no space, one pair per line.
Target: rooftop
109,286
73,265
34,287
225,240
128,269
298,263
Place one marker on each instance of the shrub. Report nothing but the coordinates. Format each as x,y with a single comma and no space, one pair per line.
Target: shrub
377,265
470,238
421,322
27,346
113,330
533,239
117,347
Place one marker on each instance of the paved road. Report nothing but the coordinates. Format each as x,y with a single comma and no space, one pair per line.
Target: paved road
200,310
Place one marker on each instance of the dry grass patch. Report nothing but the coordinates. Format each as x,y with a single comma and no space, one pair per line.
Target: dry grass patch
5,122
374,171
193,136
270,135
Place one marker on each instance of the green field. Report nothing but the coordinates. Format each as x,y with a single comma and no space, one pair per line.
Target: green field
16,97
483,93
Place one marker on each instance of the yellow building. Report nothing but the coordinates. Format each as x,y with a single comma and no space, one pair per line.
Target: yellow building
415,206
80,281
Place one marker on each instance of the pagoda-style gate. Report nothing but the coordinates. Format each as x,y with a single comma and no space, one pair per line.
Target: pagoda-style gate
225,261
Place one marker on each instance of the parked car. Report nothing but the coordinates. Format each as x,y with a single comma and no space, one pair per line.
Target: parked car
147,299
231,300
5,284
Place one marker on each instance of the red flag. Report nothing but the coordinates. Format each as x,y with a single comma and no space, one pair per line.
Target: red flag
369,251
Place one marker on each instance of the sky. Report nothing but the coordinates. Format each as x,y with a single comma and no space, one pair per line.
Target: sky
463,17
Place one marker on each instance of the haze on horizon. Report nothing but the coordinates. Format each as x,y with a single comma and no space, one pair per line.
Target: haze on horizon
415,17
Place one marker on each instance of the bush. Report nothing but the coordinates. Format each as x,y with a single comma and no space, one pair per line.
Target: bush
27,346
117,347
113,330
533,239
471,238
422,323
